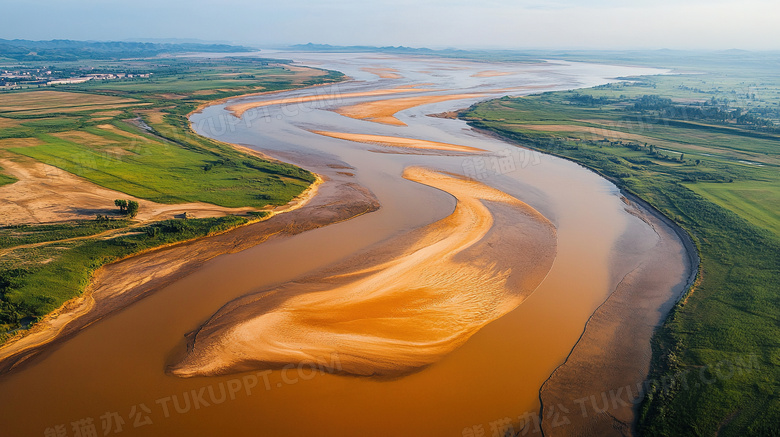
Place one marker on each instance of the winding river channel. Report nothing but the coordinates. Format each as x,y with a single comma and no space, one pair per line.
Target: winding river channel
440,313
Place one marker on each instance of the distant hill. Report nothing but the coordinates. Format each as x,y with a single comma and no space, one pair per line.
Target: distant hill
68,50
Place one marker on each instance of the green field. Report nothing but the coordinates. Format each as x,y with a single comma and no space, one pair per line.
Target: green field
729,207
167,173
92,130
755,201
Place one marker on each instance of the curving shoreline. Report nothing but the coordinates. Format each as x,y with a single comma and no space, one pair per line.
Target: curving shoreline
601,382
616,366
119,284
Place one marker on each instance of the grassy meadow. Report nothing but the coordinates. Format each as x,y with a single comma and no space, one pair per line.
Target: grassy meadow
718,177
132,135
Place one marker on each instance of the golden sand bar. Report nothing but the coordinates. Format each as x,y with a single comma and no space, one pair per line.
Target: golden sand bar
239,109
400,307
384,73
383,111
389,141
491,73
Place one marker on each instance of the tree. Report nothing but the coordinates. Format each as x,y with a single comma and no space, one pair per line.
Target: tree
122,204
127,207
132,208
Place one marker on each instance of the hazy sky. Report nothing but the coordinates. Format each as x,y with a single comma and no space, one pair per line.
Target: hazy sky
608,24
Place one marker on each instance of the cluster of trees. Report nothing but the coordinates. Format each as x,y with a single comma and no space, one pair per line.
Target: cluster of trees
651,103
588,100
713,110
127,207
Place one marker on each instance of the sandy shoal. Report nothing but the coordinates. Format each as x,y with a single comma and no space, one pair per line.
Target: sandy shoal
238,109
402,305
492,73
390,141
383,73
117,285
383,111
44,193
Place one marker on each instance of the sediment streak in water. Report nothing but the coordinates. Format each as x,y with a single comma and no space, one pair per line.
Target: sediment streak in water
398,308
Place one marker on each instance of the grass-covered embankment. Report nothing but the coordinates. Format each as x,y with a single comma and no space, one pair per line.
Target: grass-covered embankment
695,173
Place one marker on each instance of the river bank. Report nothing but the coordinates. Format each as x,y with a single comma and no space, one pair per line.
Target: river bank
119,284
599,386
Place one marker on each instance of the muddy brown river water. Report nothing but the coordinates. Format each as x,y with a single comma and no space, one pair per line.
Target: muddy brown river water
118,371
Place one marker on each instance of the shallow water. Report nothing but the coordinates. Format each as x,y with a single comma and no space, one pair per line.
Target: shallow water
120,362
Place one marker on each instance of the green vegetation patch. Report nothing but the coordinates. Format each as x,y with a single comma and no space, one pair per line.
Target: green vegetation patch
12,236
757,202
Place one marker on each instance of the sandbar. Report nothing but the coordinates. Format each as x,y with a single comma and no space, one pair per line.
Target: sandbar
238,109
389,141
383,111
399,307
491,73
383,73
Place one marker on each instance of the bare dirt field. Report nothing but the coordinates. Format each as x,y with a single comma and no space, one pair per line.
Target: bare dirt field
44,194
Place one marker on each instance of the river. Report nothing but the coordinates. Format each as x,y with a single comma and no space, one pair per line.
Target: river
118,365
